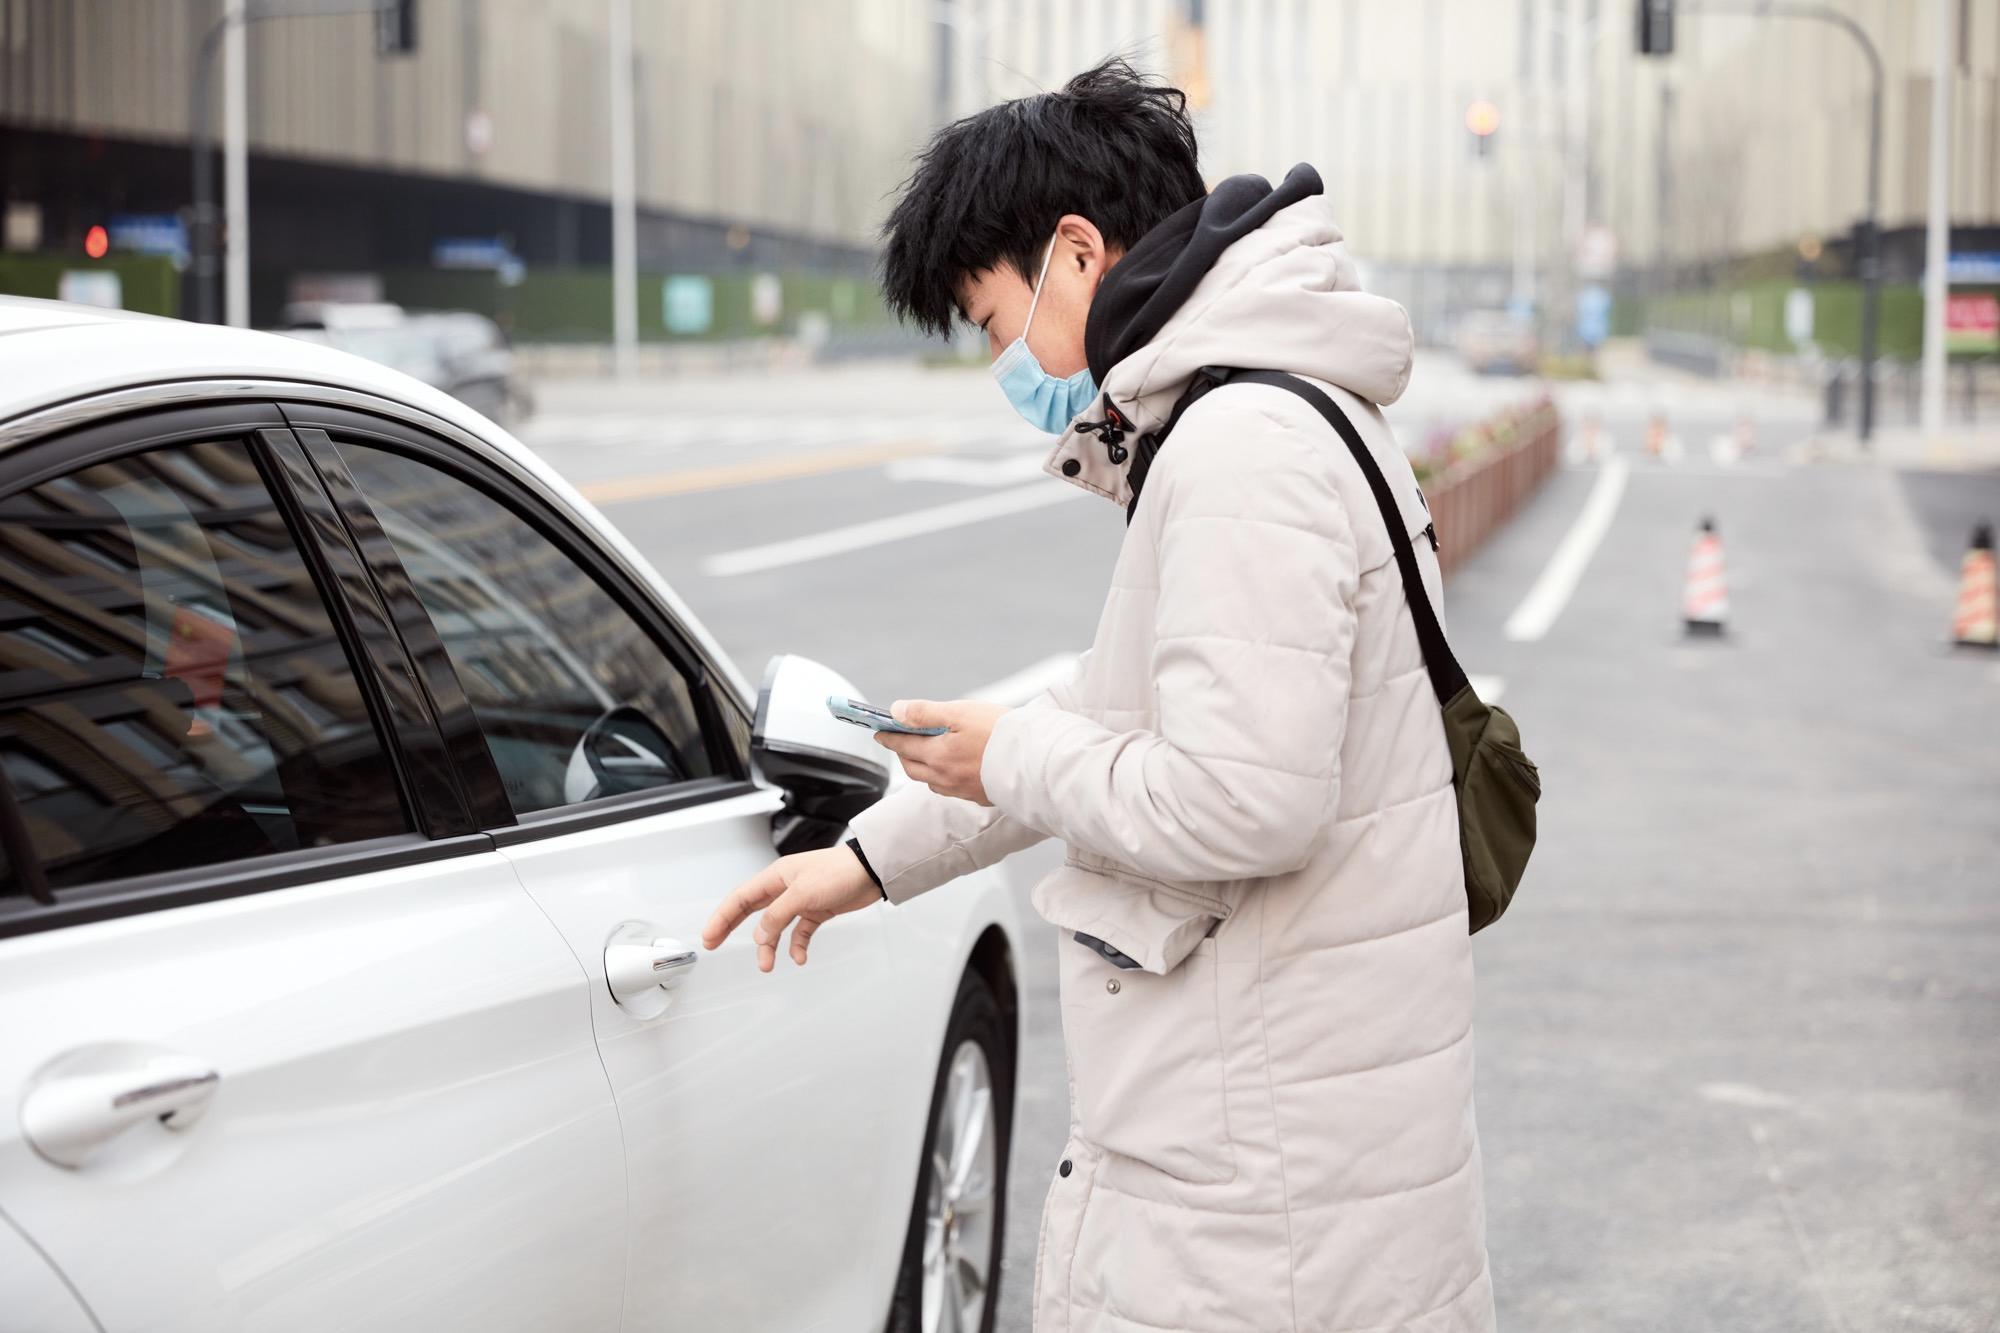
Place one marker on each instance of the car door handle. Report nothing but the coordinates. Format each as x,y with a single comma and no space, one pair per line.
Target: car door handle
641,966
86,1097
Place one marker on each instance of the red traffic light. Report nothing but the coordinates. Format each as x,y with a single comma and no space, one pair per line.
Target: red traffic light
1482,118
97,242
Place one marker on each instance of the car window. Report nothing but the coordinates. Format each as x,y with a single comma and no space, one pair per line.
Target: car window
172,690
575,698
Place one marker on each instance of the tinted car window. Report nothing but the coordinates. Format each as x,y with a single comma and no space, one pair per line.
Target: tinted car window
576,700
172,691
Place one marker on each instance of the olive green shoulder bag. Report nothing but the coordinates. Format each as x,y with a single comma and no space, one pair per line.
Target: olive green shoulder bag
1496,783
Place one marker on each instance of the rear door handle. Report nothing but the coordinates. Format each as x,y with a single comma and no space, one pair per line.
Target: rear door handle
84,1098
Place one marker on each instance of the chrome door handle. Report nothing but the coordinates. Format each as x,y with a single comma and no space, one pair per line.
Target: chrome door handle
642,967
84,1098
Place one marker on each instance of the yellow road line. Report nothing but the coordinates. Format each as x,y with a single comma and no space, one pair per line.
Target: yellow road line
653,485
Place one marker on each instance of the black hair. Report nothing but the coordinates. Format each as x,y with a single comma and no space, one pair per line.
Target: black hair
1110,144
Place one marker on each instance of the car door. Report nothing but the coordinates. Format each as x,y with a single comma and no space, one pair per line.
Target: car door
286,1045
626,807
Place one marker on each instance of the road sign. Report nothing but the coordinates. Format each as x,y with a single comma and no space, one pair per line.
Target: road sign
1972,323
150,234
1973,269
470,252
99,287
1799,316
1596,252
687,303
1593,315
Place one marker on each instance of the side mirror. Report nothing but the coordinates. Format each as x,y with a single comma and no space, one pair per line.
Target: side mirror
623,751
829,770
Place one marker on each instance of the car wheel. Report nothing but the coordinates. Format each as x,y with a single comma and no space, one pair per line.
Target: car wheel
949,1280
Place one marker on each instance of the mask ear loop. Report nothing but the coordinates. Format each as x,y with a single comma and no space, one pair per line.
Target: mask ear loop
1037,298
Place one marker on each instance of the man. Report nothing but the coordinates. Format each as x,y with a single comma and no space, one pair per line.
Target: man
1266,977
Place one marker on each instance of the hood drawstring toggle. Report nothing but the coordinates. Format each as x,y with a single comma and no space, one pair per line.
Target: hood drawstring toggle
1111,430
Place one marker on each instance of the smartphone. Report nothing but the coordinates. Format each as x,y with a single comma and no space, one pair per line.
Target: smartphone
873,718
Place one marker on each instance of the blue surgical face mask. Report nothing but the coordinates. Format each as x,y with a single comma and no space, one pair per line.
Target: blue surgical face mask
1044,401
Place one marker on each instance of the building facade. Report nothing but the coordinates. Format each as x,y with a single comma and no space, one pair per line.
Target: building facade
767,132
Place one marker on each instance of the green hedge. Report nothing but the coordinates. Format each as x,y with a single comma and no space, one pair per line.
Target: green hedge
1753,315
574,304
147,283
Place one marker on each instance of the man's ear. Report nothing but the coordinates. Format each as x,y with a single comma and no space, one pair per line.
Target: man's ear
1082,243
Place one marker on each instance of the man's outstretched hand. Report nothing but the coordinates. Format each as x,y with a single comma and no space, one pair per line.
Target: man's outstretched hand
810,887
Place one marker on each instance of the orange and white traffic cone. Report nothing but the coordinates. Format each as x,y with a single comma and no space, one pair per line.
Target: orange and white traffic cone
1978,615
1705,604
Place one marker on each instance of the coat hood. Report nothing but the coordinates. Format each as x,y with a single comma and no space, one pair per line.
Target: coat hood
1246,276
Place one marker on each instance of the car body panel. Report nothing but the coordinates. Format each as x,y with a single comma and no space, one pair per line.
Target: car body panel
410,1128
721,1063
32,1293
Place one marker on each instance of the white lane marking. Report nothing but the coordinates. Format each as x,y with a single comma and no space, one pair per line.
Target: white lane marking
1029,681
1745,1094
968,471
1488,688
1545,601
877,531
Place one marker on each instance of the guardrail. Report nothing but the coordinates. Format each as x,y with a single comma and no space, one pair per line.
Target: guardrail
1475,496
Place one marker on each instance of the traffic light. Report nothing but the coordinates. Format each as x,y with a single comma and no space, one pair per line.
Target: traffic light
1482,118
1656,27
396,28
97,242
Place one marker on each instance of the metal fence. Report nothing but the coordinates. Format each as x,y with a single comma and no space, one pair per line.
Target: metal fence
1474,499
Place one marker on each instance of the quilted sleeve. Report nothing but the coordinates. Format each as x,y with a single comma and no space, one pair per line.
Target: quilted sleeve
1258,573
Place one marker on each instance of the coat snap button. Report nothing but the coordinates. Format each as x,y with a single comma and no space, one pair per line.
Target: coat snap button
1064,1168
1111,984
1071,467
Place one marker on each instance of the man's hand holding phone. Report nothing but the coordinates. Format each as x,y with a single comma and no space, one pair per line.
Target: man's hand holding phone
949,763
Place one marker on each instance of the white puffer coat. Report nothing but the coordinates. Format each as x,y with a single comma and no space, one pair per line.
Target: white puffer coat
1272,1114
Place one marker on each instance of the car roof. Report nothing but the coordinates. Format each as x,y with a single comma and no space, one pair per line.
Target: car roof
55,352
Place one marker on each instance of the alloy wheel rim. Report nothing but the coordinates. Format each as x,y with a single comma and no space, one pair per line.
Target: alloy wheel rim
958,1210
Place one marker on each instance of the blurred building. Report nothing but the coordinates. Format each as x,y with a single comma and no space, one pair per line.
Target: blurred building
1753,137
768,133
1637,174
1374,93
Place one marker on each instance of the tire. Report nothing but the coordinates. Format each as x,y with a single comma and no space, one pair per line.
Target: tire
976,1041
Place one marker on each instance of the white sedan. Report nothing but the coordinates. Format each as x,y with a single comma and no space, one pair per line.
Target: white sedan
362,796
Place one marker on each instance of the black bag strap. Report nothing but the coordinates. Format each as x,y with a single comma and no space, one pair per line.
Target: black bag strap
1447,679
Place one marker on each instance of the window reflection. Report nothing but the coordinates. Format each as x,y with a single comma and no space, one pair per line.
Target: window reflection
172,692
576,700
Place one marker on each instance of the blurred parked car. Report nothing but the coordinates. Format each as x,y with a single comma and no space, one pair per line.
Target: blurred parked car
363,794
459,351
1497,342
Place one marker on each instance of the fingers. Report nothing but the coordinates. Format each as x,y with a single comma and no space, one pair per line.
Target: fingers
775,919
753,893
801,935
920,713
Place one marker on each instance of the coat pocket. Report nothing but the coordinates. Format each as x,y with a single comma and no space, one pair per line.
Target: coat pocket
1146,1060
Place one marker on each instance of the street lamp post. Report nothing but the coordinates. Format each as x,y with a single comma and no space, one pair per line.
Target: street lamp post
624,199
1868,259
201,229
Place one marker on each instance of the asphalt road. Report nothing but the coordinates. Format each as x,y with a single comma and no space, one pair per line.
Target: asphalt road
1735,1036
